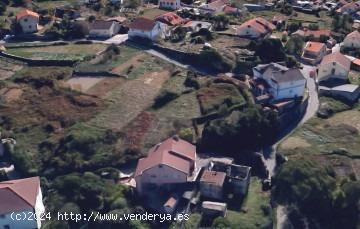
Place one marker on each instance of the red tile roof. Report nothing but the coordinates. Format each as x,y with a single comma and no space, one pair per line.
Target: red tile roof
142,23
230,10
173,152
259,24
356,62
337,57
17,195
171,18
312,46
215,5
25,13
354,34
213,177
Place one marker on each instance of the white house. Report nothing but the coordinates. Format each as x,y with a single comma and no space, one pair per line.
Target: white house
255,28
214,7
334,66
104,29
352,40
18,197
28,21
146,28
284,83
168,163
169,4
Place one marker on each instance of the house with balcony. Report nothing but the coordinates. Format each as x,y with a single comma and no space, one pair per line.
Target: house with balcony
281,82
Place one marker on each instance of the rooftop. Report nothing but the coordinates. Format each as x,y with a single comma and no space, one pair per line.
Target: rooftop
142,23
18,195
312,46
336,57
213,177
25,13
101,24
173,152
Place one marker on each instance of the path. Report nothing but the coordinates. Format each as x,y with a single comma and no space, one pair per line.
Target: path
311,110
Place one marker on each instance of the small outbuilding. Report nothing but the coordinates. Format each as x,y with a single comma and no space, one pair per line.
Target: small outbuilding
212,184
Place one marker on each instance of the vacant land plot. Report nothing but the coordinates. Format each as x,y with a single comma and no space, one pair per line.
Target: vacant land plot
255,210
53,3
103,88
129,99
332,142
83,84
153,13
216,95
8,69
59,52
106,63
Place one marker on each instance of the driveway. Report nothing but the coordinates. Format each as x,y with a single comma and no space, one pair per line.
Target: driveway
117,39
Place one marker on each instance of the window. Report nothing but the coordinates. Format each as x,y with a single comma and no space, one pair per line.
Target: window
6,227
25,20
333,71
2,216
29,26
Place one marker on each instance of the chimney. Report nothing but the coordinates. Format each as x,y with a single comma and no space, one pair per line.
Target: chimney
176,138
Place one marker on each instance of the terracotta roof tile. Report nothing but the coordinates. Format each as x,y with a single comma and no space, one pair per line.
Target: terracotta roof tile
142,23
259,24
354,34
312,46
173,152
336,57
16,195
213,177
24,13
171,18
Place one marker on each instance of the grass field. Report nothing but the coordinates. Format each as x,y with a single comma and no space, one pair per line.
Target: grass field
256,211
153,13
214,96
126,53
63,52
333,142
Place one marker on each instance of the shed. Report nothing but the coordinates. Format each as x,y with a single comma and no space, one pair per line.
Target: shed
211,184
214,209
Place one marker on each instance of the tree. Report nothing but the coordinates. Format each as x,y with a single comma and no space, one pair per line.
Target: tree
304,182
220,22
2,8
19,2
215,60
295,45
292,27
246,129
277,50
221,223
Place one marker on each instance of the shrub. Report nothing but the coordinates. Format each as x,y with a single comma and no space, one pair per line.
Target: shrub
164,98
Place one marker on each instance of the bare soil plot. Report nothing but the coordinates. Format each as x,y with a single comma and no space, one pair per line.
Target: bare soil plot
83,84
105,86
129,99
8,69
153,13
133,61
12,95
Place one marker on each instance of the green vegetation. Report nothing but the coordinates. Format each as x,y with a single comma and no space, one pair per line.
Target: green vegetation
303,183
252,125
255,209
219,96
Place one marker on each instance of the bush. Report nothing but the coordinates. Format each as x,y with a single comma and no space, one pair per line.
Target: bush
164,98
294,46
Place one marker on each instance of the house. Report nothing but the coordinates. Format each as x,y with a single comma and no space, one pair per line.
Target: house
103,29
195,26
117,19
170,4
146,28
171,19
167,164
170,204
283,82
334,67
347,92
21,197
238,176
255,28
213,209
355,64
352,40
28,21
313,52
313,35
214,7
211,184
349,8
